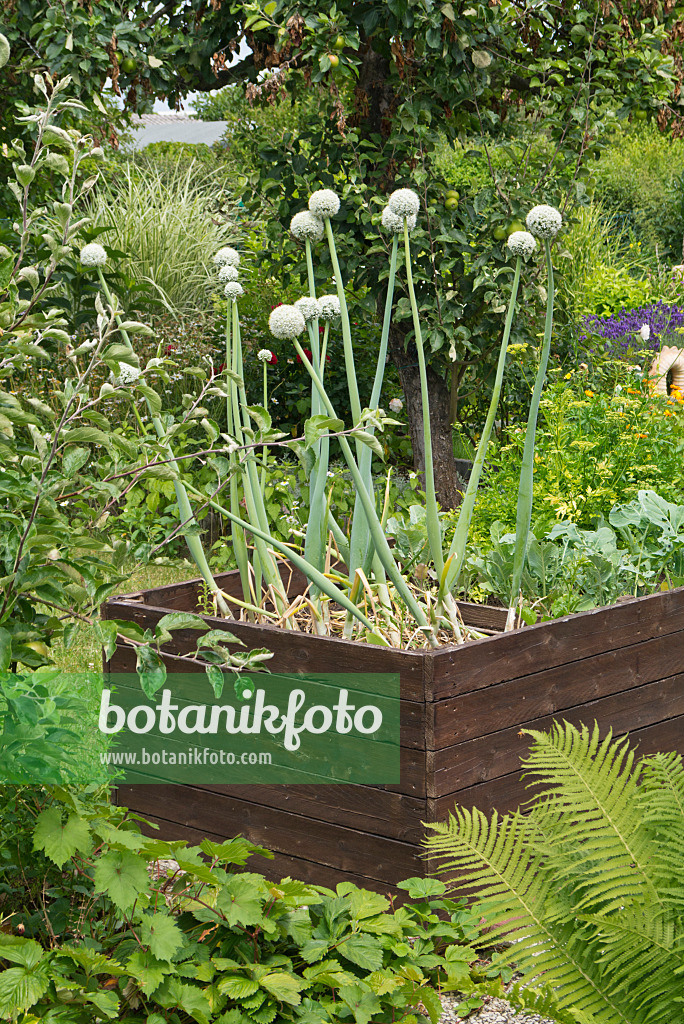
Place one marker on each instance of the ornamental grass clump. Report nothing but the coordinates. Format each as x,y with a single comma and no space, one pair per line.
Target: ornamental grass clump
354,569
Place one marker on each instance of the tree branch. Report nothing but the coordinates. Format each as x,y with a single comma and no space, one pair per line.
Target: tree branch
243,71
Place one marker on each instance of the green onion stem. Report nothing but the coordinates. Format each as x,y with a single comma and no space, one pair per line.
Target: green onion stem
458,544
434,530
526,484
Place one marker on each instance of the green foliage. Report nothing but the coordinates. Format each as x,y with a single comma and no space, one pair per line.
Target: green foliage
605,266
270,116
169,223
602,437
587,885
132,928
637,179
638,550
42,715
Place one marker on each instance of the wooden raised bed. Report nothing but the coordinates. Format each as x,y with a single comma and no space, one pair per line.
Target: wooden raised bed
462,709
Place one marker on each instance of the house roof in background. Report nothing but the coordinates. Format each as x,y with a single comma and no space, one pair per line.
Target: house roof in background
175,128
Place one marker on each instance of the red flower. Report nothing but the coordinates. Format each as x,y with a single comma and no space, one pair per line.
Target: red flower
307,353
220,369
273,360
170,348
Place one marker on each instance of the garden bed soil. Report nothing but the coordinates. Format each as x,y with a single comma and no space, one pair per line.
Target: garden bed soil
462,711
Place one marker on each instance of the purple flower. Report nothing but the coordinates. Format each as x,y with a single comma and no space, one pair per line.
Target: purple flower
621,329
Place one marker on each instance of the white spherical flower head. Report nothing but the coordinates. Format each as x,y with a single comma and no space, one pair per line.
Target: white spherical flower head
396,404
329,306
645,332
227,256
127,375
393,223
404,202
286,323
93,255
233,289
227,273
265,355
544,221
308,307
324,203
306,225
522,243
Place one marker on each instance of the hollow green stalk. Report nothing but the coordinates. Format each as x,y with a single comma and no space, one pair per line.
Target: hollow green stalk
186,515
360,534
377,532
352,384
317,525
349,364
457,549
250,480
526,484
321,581
237,535
264,458
434,530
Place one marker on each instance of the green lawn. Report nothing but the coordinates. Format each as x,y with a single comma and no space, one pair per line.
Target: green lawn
85,654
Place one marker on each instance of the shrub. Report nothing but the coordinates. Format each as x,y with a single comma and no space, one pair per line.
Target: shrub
587,884
131,926
635,178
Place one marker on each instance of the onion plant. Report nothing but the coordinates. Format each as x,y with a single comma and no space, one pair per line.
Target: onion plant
357,571
372,577
545,222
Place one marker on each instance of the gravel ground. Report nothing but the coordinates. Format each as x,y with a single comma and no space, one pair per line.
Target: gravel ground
494,1011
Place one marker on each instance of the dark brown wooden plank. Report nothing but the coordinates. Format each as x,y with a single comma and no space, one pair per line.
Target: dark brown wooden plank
280,866
365,808
293,651
484,616
496,754
544,693
483,663
507,792
281,831
411,713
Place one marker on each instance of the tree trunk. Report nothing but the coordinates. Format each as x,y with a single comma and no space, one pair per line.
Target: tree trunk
447,483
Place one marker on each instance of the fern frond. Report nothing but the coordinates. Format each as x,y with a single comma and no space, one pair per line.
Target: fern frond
577,884
613,861
640,959
661,804
541,1001
520,900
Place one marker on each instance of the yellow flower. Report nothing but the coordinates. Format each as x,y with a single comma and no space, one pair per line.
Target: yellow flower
568,375
588,393
667,413
633,391
641,435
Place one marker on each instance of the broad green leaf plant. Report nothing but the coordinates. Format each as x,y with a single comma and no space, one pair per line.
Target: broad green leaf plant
138,929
